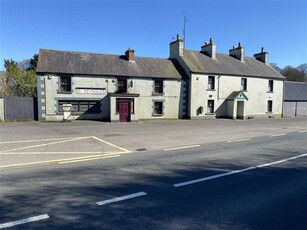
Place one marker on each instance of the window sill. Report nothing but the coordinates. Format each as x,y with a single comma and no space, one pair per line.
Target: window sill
210,89
210,114
65,92
157,94
269,112
270,92
158,115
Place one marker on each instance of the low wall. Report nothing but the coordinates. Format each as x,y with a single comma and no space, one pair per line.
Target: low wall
1,109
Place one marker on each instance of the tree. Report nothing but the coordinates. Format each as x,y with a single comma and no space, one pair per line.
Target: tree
33,62
293,74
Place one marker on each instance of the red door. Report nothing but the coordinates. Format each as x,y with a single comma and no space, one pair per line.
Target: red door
124,112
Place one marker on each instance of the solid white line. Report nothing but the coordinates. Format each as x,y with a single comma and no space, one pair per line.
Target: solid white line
303,131
278,135
24,221
238,171
36,140
182,147
246,139
121,198
113,145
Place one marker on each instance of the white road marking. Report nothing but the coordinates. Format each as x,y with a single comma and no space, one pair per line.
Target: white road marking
121,198
303,131
238,140
88,159
24,221
44,153
278,135
108,143
37,140
181,147
238,171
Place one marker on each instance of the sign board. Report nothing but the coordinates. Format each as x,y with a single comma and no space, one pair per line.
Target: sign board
91,91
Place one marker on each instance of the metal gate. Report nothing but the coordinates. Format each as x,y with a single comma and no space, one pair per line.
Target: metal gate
20,108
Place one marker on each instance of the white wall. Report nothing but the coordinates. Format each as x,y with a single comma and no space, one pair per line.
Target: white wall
257,93
1,109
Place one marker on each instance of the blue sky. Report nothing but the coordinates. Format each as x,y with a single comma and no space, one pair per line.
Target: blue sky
148,26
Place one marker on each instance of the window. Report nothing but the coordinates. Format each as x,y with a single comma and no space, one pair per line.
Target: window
211,82
270,86
210,107
81,106
158,108
270,106
121,85
65,84
243,84
158,86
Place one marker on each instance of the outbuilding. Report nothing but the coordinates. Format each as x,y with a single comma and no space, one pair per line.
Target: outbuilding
295,99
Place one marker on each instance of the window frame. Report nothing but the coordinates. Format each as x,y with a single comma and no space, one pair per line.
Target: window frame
67,84
124,86
77,104
270,106
211,83
160,87
210,107
270,86
161,102
244,84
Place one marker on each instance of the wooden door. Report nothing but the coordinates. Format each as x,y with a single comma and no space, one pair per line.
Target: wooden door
124,111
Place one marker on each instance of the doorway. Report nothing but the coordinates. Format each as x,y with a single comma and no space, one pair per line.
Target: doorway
124,111
240,110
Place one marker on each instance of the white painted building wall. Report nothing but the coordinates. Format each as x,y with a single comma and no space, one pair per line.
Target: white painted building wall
257,93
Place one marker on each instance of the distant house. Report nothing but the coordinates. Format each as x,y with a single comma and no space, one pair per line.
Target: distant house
229,85
109,87
295,99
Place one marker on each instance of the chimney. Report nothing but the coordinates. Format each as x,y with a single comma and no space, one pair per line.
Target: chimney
238,52
262,56
209,49
176,48
130,55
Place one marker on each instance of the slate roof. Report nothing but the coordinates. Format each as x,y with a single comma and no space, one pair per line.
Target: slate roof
295,91
68,62
227,65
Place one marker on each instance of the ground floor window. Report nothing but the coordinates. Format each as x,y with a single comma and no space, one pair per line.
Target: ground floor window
81,106
131,100
210,107
270,107
158,108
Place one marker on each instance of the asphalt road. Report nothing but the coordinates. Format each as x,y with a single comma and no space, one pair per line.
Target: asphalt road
242,181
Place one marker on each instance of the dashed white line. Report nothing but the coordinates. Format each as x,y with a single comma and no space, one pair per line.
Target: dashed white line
303,131
238,171
121,198
238,140
24,221
278,135
182,147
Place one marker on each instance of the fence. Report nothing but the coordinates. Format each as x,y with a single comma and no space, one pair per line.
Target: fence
20,108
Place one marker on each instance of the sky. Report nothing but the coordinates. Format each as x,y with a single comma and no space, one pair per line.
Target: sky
148,26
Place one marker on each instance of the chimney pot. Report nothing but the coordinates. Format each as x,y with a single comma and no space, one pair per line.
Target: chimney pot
238,52
262,56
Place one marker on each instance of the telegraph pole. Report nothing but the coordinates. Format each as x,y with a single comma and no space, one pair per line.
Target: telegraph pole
185,19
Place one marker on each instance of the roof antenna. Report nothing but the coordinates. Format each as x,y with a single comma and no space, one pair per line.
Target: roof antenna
185,19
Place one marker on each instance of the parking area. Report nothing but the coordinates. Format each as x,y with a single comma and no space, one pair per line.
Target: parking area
39,143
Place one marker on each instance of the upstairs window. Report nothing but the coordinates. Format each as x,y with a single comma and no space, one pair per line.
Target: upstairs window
270,86
121,85
211,82
65,84
158,86
244,84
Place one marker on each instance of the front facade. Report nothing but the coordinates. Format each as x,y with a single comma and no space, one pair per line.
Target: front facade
108,87
229,86
190,84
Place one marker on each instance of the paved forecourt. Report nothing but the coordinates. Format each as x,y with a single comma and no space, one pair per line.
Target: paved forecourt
61,150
